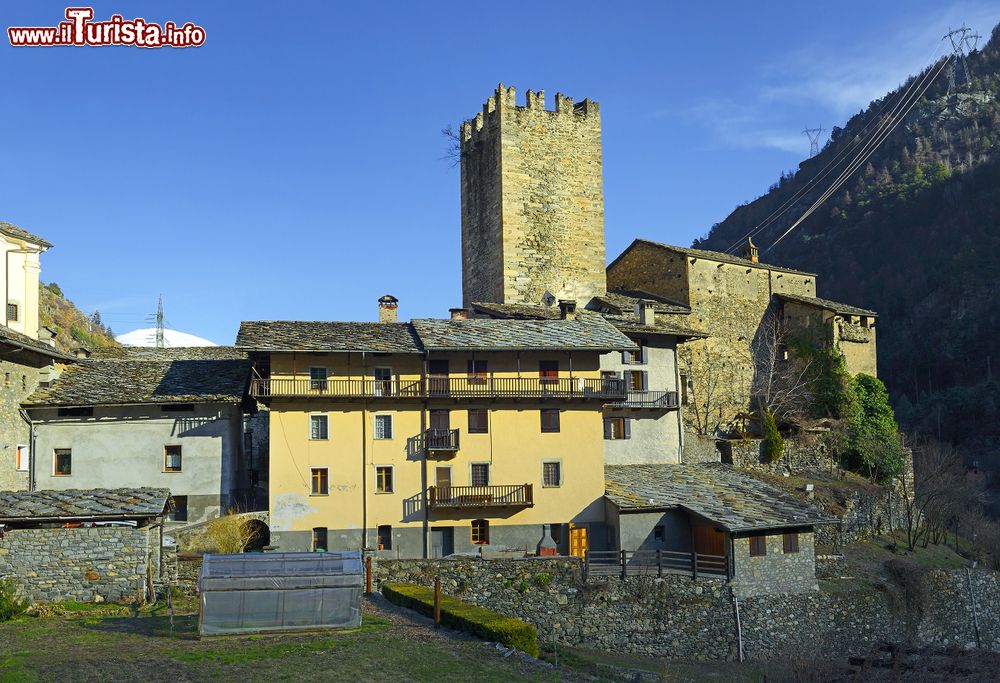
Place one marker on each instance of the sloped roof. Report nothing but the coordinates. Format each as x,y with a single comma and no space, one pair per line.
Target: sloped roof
834,306
587,331
12,230
82,504
23,341
163,376
319,336
710,255
720,493
625,300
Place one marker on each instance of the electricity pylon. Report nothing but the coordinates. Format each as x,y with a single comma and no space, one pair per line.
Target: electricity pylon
813,135
960,40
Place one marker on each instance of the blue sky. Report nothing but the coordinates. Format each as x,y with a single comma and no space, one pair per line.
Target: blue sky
291,167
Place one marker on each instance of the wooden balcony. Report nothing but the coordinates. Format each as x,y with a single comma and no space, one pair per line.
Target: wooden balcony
662,400
470,387
478,497
440,440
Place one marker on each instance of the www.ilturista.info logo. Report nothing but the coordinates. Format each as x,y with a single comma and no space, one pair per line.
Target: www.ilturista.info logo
80,30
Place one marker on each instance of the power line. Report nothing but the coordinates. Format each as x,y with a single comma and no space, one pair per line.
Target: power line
813,135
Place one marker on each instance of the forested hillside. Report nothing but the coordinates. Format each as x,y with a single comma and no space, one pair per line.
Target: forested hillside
73,328
914,234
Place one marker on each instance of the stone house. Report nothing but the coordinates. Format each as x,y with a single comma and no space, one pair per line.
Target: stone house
92,545
28,357
760,537
170,418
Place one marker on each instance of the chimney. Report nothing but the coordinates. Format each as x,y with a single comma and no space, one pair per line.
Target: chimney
567,309
646,310
750,251
459,313
387,306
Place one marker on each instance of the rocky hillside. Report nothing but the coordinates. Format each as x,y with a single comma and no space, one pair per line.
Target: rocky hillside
73,328
914,234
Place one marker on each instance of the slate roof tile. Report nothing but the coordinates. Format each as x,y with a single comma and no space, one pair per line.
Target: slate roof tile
827,304
588,331
82,503
320,336
12,230
712,256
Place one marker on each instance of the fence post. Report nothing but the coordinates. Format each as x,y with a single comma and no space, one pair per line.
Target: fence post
624,565
368,575
437,601
586,564
659,563
694,565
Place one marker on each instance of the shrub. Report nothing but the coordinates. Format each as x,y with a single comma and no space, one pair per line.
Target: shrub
462,616
874,446
230,533
10,605
774,445
543,579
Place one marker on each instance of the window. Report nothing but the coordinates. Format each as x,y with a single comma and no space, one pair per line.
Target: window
758,546
171,458
548,371
320,481
550,420
659,533
62,465
383,381
317,379
179,510
440,419
319,539
383,426
319,427
636,380
790,543
477,371
551,473
6,379
479,421
21,458
384,537
383,479
76,412
480,531
616,428
12,312
480,474
637,357
685,388
177,408
24,382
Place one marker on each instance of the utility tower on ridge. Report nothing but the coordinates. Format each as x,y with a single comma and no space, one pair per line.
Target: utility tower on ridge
813,135
963,41
158,337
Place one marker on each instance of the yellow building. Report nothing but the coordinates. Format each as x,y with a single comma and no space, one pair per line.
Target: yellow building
435,436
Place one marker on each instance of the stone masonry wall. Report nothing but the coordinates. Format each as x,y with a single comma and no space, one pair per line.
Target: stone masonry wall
532,201
16,383
53,565
678,617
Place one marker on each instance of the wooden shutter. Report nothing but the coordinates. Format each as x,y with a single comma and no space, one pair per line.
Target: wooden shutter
607,428
627,426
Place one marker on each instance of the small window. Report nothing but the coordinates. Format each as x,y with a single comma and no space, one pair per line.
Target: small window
383,479
21,458
383,426
550,420
480,531
685,387
319,427
320,481
179,512
6,379
758,546
384,537
76,412
479,421
659,533
63,462
790,543
12,312
636,380
171,458
616,428
551,474
548,371
317,379
320,537
477,371
24,382
480,474
177,408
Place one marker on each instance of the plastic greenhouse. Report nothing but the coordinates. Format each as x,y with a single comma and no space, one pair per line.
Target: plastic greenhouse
260,592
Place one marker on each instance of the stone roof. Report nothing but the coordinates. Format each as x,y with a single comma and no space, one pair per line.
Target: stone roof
180,375
587,331
23,341
844,309
12,230
712,256
624,300
295,335
82,504
168,353
717,492
627,323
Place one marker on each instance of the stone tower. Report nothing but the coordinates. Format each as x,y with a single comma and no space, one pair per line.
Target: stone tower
532,201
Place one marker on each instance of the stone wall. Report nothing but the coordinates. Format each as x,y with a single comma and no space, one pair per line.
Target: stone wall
801,453
99,563
794,572
17,381
532,201
679,617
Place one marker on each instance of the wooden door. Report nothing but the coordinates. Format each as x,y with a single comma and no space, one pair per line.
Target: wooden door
437,378
708,540
578,540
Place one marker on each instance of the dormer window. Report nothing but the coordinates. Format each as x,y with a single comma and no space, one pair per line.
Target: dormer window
11,313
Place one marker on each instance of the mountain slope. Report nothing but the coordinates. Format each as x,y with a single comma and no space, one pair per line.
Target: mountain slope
915,234
73,328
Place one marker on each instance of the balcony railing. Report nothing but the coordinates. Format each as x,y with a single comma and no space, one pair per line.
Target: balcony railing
648,399
473,387
440,440
626,563
464,497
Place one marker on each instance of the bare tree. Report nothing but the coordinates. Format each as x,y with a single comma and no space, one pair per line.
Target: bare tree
453,152
707,374
782,381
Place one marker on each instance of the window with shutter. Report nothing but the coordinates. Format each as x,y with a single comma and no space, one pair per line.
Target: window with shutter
550,420
479,421
758,546
790,543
